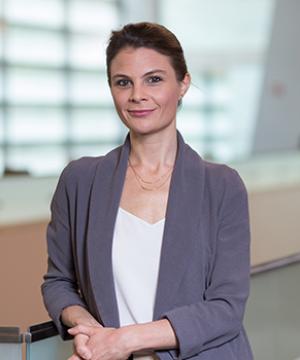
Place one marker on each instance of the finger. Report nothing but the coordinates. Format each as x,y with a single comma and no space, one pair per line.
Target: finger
81,348
84,353
81,329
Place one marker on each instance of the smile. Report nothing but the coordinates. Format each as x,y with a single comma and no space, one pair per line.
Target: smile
140,112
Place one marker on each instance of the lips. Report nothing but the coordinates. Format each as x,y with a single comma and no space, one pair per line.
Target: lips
140,112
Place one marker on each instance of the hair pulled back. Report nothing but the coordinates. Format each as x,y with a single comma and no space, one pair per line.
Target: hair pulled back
149,35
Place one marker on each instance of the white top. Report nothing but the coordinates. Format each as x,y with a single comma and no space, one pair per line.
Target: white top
135,259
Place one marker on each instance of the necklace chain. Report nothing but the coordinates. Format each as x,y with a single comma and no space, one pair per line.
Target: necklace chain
142,182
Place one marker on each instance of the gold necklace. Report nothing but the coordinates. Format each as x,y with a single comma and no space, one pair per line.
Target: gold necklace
145,181
140,180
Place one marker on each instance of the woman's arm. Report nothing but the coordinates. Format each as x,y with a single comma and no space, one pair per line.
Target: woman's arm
60,287
217,318
77,315
155,335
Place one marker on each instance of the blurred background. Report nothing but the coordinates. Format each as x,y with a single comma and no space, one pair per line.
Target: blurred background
243,108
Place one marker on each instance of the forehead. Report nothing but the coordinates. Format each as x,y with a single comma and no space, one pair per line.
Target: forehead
138,61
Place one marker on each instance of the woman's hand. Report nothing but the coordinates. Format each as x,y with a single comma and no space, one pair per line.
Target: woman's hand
72,316
81,350
103,343
119,344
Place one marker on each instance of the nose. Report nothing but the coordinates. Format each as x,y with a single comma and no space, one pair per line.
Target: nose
137,94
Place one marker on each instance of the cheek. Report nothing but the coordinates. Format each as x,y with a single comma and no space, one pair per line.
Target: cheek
118,101
170,101
171,96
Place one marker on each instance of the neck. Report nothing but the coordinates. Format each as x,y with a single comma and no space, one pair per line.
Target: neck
154,151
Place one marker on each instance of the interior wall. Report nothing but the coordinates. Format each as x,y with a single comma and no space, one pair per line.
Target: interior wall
278,125
275,225
22,264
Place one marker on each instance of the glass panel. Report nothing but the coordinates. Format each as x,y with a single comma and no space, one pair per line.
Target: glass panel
35,86
36,126
45,47
49,349
88,125
87,51
89,88
10,351
37,160
38,12
92,15
273,318
10,343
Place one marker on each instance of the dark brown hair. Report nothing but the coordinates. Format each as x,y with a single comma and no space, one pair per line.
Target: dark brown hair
151,36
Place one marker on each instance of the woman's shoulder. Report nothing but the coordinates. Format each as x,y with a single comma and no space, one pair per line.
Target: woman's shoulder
225,182
216,177
219,170
216,172
222,176
83,167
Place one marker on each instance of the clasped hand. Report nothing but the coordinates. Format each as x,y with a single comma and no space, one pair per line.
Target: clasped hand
99,343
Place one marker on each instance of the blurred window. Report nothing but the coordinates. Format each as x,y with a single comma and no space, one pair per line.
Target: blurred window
55,103
225,43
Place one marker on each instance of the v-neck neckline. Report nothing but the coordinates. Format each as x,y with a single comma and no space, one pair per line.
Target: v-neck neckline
140,219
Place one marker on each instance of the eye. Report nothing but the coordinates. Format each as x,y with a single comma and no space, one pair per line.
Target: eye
122,83
154,79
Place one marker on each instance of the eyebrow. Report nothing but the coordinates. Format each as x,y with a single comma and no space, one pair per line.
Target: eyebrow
155,71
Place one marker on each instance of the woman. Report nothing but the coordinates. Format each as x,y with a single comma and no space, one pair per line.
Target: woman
149,245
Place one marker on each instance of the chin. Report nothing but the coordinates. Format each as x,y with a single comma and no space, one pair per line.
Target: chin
148,131
144,127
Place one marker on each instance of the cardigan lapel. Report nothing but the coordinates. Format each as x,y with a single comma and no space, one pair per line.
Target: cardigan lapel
105,199
182,223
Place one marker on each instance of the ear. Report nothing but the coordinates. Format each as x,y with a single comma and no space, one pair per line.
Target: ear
185,84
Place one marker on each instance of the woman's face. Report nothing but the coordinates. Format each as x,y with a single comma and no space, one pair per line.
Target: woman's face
145,89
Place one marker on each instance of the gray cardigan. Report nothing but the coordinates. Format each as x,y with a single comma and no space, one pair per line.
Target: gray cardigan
203,281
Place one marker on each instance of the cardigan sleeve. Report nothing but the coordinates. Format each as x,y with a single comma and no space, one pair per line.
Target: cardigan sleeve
60,288
217,318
